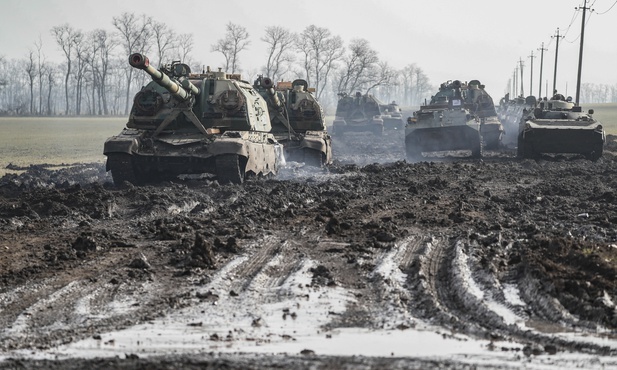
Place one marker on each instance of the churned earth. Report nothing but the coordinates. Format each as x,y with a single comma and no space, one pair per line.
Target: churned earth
372,262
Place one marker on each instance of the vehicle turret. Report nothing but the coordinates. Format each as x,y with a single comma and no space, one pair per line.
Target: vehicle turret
267,85
184,123
182,89
297,120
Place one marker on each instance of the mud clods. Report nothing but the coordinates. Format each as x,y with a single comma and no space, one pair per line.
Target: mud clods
509,250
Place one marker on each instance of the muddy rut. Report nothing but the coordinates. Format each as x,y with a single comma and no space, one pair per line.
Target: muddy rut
517,257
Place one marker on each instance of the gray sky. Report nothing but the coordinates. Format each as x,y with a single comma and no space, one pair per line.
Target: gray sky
449,39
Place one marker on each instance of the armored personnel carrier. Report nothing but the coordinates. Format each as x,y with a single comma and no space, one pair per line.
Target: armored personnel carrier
560,126
184,123
297,121
461,116
357,113
392,116
444,124
511,111
482,107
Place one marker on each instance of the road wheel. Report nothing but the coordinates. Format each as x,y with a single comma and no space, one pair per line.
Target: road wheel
313,158
413,150
476,150
228,169
121,167
596,153
528,150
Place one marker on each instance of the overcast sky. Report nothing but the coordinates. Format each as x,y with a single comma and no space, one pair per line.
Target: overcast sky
449,39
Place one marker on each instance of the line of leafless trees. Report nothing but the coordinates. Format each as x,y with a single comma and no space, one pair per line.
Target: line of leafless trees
95,79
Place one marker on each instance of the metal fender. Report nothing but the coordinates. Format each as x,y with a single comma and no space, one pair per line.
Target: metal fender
118,144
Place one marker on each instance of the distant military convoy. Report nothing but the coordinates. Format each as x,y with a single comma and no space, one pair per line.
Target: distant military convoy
460,116
212,122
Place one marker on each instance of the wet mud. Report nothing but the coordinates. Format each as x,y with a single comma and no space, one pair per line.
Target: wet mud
516,257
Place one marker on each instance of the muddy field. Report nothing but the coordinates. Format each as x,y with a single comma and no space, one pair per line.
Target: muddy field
371,262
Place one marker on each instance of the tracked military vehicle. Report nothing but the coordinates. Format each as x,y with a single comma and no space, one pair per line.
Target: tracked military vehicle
392,116
356,114
482,107
297,121
511,111
444,124
184,123
560,126
461,116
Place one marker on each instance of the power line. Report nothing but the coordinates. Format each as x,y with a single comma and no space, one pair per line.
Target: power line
574,16
557,37
586,21
609,9
580,53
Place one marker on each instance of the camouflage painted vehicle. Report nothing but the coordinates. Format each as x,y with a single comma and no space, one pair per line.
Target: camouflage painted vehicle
481,106
444,124
461,116
184,123
297,121
392,116
356,114
560,126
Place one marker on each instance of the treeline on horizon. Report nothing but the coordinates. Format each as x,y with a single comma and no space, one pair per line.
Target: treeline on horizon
95,78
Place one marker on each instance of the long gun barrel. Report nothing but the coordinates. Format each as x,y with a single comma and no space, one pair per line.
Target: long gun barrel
268,84
182,90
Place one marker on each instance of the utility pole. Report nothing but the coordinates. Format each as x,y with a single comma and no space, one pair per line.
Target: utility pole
531,78
516,81
542,49
580,52
520,60
557,36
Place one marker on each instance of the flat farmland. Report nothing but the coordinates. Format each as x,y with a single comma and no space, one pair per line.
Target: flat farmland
69,140
605,113
54,140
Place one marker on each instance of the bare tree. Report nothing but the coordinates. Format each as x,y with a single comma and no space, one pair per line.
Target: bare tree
105,46
381,75
279,40
41,71
321,51
235,41
30,68
66,37
165,39
83,55
407,74
135,33
51,82
185,46
423,85
359,67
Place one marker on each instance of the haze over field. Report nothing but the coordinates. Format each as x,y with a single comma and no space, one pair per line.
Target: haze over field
480,39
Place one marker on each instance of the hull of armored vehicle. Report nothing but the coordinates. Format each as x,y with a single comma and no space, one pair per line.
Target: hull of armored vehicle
313,148
561,136
442,130
297,121
558,126
511,113
342,126
492,132
136,157
392,116
392,121
183,123
358,113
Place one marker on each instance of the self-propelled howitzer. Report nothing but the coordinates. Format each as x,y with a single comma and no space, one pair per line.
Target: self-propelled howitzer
185,123
297,120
